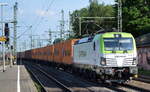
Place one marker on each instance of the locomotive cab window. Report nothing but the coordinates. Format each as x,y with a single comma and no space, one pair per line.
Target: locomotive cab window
123,44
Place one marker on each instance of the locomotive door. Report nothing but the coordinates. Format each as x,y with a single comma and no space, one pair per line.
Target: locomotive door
95,52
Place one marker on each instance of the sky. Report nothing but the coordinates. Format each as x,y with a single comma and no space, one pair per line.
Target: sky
38,16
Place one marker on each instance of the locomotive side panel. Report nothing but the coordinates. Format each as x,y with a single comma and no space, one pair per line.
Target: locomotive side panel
83,54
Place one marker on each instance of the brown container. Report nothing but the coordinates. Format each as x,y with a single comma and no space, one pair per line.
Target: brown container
36,54
41,56
28,55
44,55
68,51
23,55
33,53
58,52
19,55
50,53
47,51
63,52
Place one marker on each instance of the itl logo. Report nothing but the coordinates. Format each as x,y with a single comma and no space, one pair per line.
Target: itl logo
120,56
82,53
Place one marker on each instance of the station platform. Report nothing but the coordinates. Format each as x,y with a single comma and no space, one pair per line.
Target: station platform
16,79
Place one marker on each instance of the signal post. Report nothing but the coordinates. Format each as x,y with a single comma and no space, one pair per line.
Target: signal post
3,45
5,41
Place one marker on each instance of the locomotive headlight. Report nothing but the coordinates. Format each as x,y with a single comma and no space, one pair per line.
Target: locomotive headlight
103,61
134,61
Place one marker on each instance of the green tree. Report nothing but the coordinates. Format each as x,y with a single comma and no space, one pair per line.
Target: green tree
90,26
136,16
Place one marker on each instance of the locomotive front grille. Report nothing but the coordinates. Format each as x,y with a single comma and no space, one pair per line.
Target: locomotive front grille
111,62
127,61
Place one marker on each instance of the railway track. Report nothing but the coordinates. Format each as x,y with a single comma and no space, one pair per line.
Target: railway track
63,81
78,84
43,89
132,86
92,86
142,78
70,81
47,82
135,87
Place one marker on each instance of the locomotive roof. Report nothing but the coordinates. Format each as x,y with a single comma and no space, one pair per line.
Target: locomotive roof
84,40
108,34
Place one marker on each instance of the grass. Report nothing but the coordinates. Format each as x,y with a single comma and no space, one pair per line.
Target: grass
37,85
144,72
39,88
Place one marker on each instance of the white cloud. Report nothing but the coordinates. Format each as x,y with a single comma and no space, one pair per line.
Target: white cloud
45,13
20,11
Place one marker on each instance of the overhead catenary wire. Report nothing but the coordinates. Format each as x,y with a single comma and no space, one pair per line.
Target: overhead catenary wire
38,17
42,18
23,32
30,27
36,24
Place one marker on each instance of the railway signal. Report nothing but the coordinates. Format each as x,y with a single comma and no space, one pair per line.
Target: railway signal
3,45
6,33
5,38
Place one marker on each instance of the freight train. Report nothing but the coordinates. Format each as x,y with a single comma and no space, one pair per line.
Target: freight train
111,57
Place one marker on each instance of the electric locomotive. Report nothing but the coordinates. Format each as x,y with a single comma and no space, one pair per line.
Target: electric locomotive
112,55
